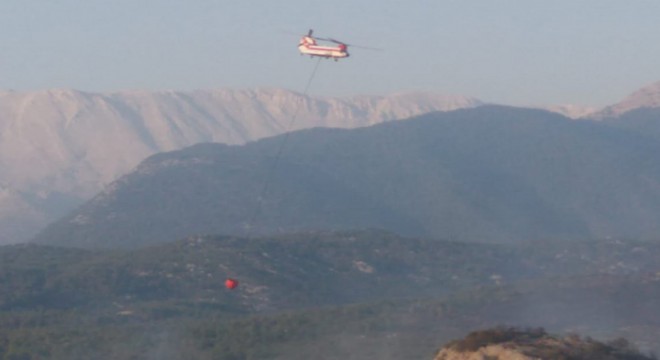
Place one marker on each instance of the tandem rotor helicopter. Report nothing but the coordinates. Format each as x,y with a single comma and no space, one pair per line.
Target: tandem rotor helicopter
309,46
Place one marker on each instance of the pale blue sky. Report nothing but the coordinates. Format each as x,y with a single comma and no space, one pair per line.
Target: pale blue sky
520,52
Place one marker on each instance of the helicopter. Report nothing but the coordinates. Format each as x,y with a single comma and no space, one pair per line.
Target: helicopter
308,46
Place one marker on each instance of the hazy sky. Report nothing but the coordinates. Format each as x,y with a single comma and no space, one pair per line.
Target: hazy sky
520,52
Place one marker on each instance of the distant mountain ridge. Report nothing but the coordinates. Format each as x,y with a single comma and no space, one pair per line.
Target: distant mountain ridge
60,147
489,174
646,97
571,111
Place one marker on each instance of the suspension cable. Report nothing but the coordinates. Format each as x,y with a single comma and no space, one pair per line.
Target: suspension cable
278,155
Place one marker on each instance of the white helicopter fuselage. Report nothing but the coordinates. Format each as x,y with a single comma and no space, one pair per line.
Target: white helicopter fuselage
308,46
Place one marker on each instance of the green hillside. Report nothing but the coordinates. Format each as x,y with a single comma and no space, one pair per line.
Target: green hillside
292,271
410,329
643,121
490,174
331,295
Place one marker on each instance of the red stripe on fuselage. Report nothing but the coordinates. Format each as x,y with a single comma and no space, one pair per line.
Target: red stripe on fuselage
323,48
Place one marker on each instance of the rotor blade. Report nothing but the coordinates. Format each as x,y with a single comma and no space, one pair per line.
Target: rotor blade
347,44
328,39
355,46
366,47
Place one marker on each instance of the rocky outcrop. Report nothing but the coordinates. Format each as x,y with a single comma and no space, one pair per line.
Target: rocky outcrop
490,352
571,111
535,344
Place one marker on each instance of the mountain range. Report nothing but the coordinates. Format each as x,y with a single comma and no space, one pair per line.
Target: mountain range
532,183
60,147
646,97
488,174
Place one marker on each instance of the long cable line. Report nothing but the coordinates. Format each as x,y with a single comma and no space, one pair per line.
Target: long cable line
278,155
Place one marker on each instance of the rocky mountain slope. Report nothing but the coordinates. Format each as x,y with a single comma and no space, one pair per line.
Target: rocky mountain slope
570,110
646,97
490,174
645,122
60,147
532,344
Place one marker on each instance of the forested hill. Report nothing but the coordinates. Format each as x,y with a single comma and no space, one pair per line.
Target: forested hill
293,270
490,174
644,121
366,294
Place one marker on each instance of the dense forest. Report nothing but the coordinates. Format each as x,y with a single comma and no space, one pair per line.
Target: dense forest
353,295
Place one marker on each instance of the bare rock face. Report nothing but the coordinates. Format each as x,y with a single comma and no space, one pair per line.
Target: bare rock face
486,353
646,97
571,111
67,144
534,344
